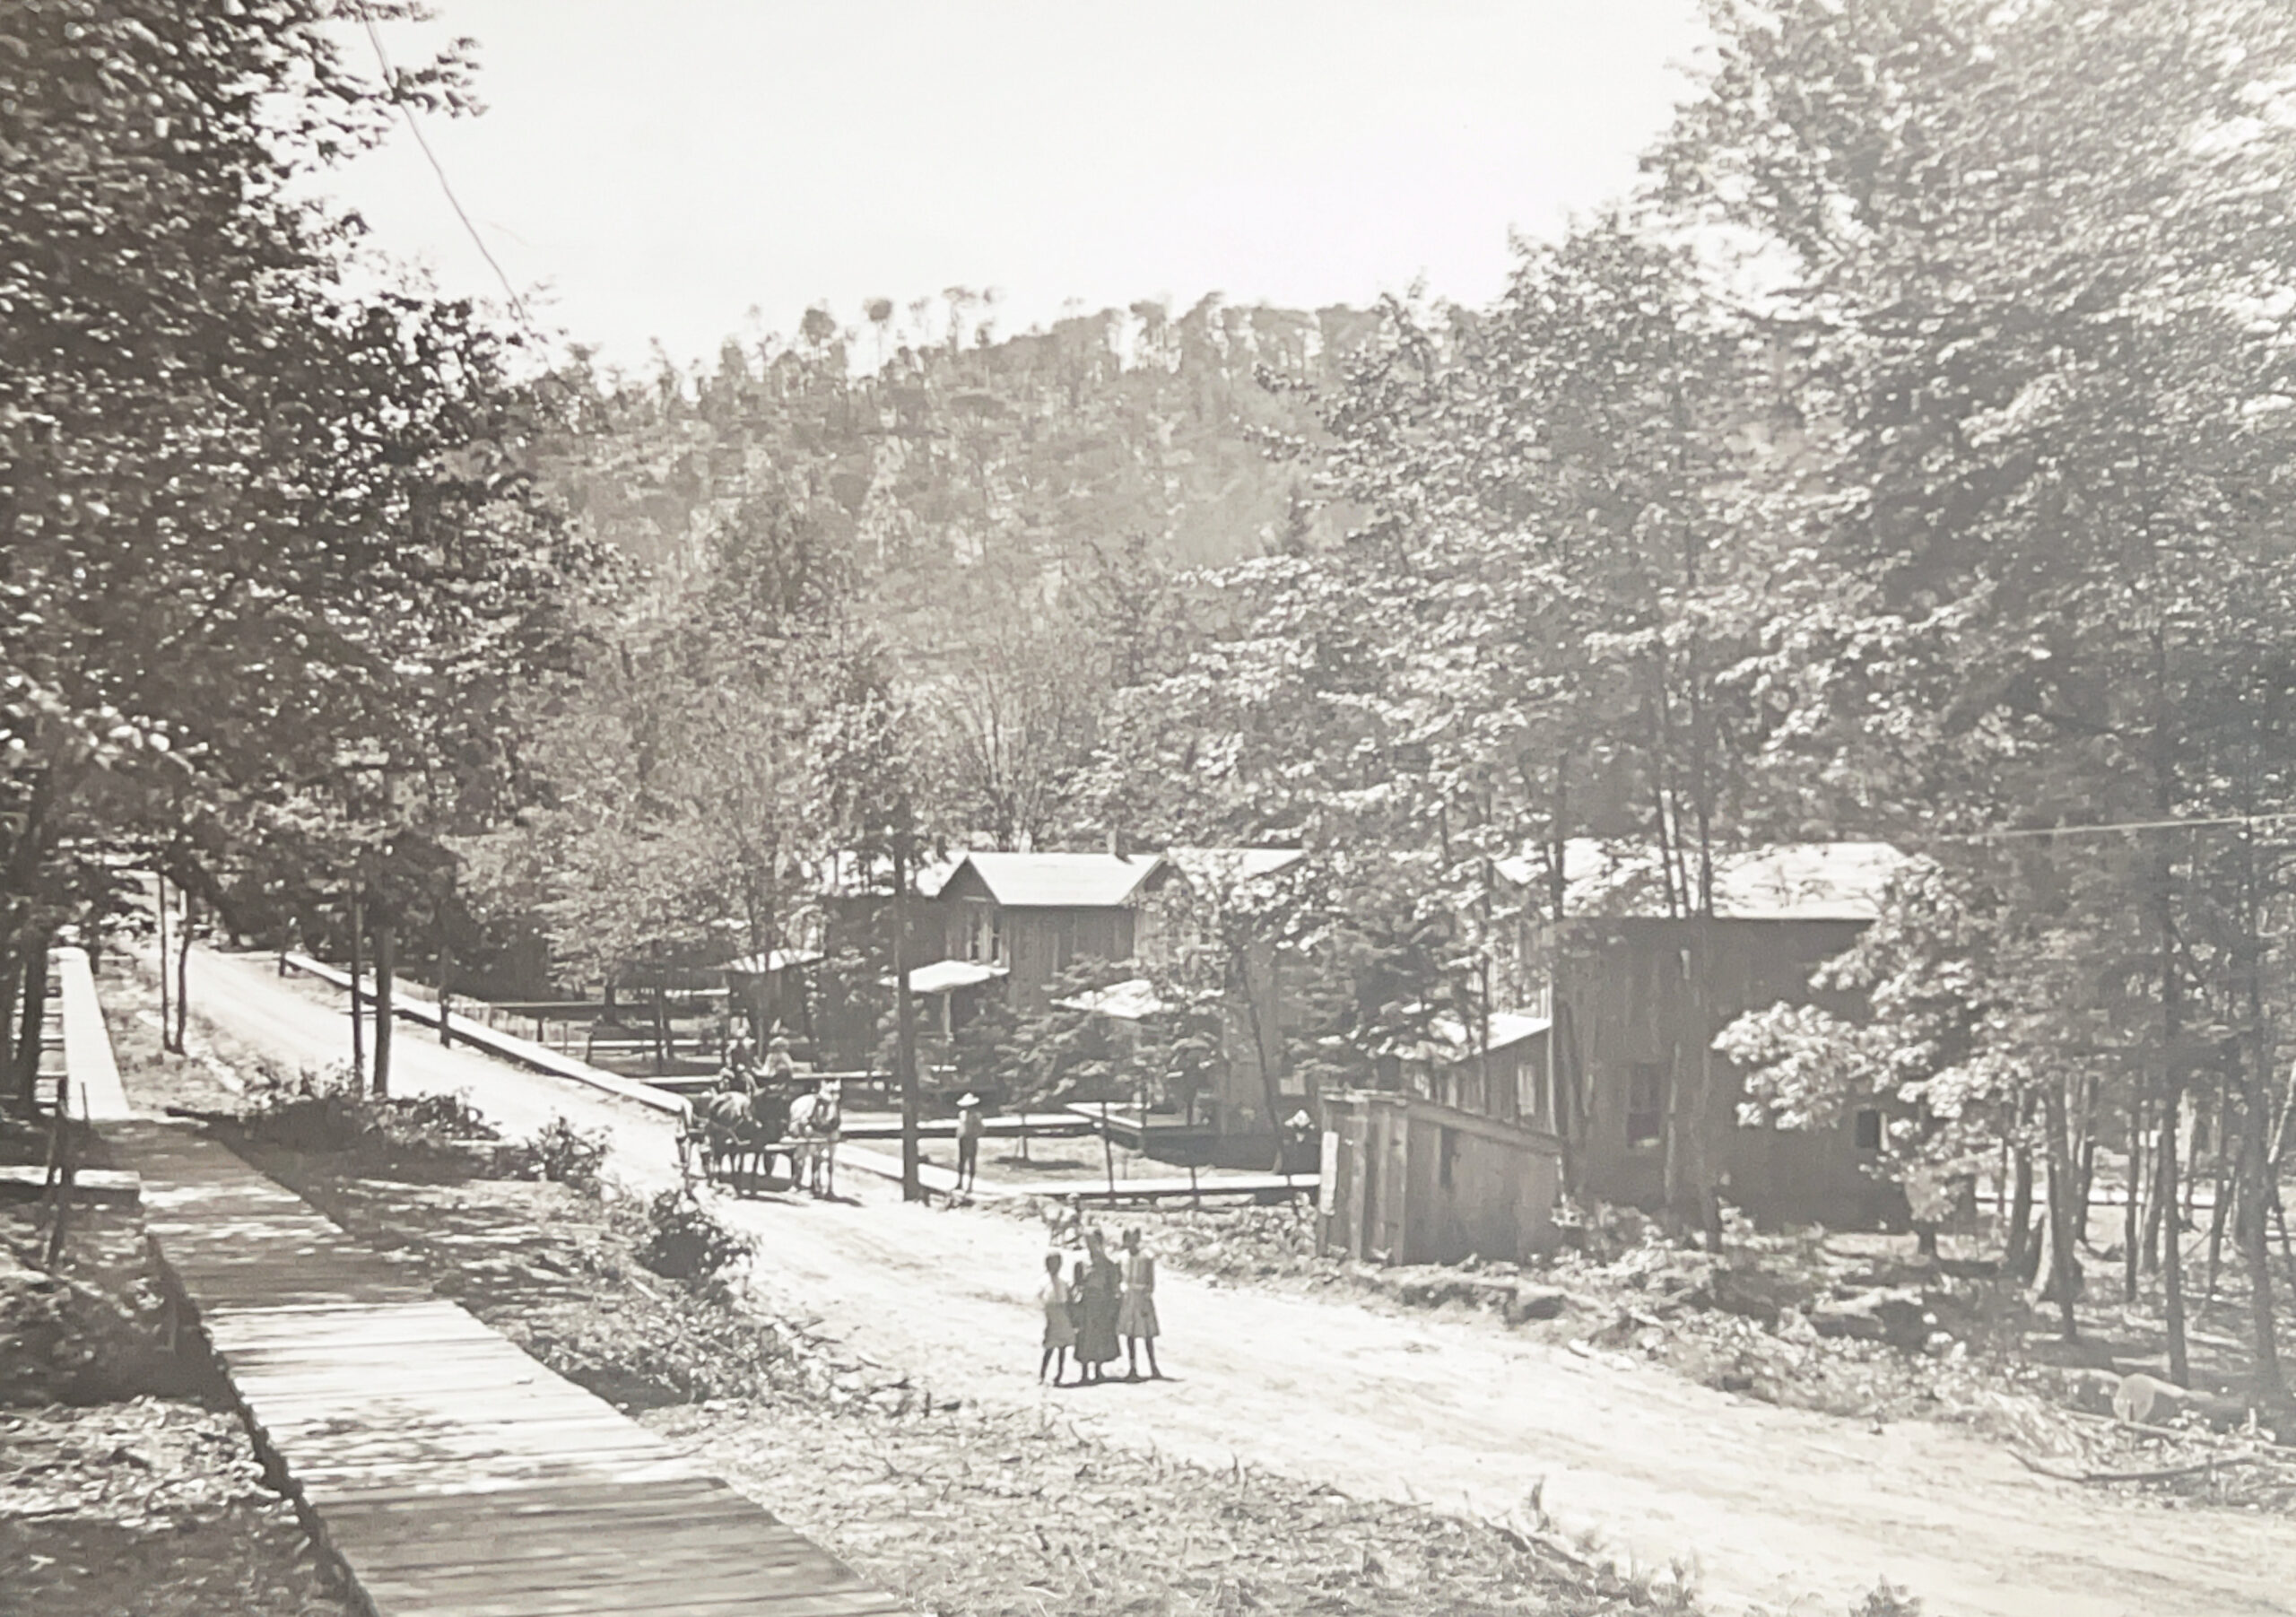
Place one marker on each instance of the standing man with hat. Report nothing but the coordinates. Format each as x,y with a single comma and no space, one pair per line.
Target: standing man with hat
967,1140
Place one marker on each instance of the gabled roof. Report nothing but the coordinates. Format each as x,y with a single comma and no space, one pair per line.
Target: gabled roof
1060,880
1792,882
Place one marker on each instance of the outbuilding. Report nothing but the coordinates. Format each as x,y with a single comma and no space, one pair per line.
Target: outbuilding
1406,1180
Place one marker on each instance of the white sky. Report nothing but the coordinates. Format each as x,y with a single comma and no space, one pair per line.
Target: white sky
689,169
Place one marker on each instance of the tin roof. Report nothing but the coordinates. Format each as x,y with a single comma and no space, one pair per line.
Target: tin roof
943,975
1060,880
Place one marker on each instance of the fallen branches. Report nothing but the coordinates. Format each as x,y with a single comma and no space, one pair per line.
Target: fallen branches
2162,1475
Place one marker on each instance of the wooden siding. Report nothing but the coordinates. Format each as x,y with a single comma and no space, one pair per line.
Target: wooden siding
1409,1181
1628,986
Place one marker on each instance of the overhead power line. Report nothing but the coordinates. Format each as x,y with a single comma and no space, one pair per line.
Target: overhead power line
2107,828
415,127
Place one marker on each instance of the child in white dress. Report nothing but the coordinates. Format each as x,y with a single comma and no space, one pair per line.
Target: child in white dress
1136,1319
1059,1325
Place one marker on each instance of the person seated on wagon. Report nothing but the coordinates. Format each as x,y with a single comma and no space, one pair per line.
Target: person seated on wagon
741,1055
780,1069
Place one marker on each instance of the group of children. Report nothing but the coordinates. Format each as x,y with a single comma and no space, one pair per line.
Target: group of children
1101,1304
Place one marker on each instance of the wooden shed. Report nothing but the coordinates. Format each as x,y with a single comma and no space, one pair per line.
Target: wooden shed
1410,1180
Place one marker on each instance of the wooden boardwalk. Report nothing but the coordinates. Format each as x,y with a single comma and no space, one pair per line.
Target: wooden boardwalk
450,1473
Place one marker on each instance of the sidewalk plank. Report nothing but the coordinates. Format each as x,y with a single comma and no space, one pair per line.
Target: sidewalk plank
450,1472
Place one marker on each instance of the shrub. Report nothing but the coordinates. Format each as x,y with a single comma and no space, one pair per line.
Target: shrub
684,1241
419,1136
1886,1601
559,1152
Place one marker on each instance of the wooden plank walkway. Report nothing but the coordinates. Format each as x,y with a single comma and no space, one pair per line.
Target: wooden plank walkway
448,1472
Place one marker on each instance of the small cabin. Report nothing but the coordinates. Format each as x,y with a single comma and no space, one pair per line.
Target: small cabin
1406,1180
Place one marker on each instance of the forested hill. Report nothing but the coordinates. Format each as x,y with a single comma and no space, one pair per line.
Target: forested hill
1004,459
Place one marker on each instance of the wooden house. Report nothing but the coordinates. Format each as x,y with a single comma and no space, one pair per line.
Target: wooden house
1037,915
1640,991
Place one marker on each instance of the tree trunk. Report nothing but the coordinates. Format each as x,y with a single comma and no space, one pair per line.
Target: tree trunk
2191,1205
2131,1245
2172,1033
445,979
358,1015
2216,1216
2020,1236
661,1010
912,1186
1271,1077
2064,1263
2156,1207
167,997
33,1005
12,987
2255,1173
386,968
183,978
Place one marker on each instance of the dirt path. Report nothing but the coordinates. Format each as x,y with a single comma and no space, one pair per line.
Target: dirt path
1779,1508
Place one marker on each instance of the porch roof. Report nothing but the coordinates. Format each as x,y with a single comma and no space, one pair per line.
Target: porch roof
945,976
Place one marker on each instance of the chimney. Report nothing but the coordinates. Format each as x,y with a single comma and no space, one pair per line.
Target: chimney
1116,843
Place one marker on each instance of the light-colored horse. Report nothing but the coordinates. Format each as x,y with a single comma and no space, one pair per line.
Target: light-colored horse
815,1121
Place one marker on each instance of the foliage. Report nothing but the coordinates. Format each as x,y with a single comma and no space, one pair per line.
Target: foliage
432,1136
684,1241
1885,1600
561,1154
276,566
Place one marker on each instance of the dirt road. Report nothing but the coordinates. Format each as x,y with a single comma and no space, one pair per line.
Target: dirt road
1776,1509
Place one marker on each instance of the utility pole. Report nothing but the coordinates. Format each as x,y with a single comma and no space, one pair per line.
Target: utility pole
912,1187
446,958
386,966
358,1026
167,1003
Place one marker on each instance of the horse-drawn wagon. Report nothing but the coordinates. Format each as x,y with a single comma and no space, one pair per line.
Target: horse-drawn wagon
733,1132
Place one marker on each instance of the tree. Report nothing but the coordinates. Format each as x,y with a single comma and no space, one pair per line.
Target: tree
254,519
2021,255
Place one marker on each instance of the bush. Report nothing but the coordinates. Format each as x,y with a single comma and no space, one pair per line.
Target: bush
430,1137
559,1152
1886,1601
684,1241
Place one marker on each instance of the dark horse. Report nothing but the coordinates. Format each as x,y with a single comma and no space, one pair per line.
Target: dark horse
741,1130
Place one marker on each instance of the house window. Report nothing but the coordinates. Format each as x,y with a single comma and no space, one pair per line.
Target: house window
1868,1126
1447,1161
997,937
1646,1103
1531,1098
